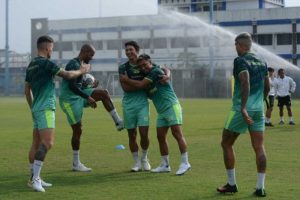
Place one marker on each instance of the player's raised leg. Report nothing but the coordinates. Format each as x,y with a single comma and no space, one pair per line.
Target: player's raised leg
103,95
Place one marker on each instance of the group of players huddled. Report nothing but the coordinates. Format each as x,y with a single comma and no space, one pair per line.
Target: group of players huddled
140,80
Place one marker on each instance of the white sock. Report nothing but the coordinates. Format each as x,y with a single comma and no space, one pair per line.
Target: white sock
231,176
135,156
37,167
184,158
144,154
76,159
165,160
260,180
281,119
115,116
291,119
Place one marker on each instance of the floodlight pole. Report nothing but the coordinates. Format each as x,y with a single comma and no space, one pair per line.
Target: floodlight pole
211,53
6,88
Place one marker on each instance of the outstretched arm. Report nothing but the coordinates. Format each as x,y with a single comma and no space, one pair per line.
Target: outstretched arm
84,68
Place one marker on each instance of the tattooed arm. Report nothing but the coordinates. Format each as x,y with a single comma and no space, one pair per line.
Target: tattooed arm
245,89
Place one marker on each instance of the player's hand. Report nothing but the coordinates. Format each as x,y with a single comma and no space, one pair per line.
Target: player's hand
123,77
247,118
164,79
92,102
85,68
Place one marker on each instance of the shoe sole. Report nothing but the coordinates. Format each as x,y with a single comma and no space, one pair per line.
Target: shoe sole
76,170
183,172
161,171
132,170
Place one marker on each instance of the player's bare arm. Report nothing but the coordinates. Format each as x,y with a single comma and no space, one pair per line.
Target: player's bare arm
245,89
126,87
144,84
28,94
84,68
165,78
266,87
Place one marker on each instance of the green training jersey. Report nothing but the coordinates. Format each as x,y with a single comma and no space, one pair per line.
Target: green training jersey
162,95
40,75
138,97
257,73
65,92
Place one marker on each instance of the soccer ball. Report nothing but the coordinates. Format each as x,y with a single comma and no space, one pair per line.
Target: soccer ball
88,81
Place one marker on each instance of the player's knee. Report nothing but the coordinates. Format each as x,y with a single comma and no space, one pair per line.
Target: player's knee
105,91
225,144
259,149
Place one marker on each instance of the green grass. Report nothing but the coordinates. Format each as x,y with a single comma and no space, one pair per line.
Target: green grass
111,179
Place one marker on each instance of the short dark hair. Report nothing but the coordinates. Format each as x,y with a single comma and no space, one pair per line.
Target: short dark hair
44,39
280,70
244,38
144,57
134,44
270,69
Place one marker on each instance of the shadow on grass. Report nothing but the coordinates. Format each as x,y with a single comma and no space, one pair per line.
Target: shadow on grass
11,185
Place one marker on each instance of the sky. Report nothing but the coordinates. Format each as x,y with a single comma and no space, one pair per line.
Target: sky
22,11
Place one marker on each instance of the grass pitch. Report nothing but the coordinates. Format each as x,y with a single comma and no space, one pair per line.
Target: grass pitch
111,179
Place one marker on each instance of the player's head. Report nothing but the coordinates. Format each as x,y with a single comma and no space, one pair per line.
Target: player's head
144,62
132,50
87,53
281,73
271,71
45,45
243,43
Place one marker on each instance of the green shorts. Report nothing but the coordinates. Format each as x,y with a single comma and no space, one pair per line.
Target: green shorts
171,116
73,107
43,119
235,122
136,117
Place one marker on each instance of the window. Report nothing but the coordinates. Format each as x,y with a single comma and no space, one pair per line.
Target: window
160,43
298,38
144,43
113,44
265,39
97,44
65,46
177,42
193,42
79,44
284,39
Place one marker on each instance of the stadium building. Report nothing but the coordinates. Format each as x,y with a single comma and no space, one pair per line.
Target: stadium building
179,44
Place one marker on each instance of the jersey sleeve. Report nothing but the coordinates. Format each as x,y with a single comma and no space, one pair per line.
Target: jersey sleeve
72,65
52,67
239,66
122,69
155,75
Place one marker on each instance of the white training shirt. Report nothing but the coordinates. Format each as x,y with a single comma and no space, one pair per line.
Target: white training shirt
272,86
284,86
